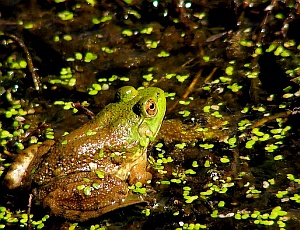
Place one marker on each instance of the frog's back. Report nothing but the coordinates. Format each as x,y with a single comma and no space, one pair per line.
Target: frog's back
90,146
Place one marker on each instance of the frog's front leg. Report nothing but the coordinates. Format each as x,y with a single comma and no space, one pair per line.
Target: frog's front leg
83,195
138,172
24,163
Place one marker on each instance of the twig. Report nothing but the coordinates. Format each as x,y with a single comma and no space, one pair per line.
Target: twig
189,89
31,68
264,120
29,211
210,75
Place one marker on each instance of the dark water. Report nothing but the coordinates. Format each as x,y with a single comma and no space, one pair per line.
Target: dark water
230,69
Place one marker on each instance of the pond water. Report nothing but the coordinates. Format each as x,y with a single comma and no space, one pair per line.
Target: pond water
227,154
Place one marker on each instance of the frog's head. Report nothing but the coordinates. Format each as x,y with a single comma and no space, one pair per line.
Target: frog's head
148,105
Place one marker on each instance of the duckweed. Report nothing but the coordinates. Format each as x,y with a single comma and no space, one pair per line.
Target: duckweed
102,19
163,54
235,87
65,15
64,142
147,212
91,2
65,78
229,70
206,109
190,171
108,50
180,146
90,133
278,157
96,186
138,188
67,37
181,102
271,148
127,32
151,44
148,77
49,133
206,146
221,204
100,174
80,187
146,30
207,164
190,199
195,164
206,58
89,56
224,160
182,78
87,190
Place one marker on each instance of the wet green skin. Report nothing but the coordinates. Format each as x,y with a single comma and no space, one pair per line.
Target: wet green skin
87,172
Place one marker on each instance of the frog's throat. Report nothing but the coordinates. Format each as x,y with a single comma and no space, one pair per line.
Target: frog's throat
145,131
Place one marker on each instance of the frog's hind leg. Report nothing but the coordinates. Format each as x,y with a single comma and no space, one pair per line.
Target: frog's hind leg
25,161
82,196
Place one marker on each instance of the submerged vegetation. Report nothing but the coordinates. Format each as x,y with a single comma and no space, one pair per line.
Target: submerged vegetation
227,154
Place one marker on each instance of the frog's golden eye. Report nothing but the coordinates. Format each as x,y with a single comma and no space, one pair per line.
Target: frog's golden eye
150,107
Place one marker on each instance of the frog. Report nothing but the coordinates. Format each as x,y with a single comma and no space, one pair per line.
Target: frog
87,172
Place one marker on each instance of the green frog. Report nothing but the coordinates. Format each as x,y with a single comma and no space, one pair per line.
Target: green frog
87,172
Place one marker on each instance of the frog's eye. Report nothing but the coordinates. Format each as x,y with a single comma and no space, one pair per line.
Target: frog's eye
145,107
150,107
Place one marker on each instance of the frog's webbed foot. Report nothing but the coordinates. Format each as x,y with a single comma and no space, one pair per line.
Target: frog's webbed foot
84,195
